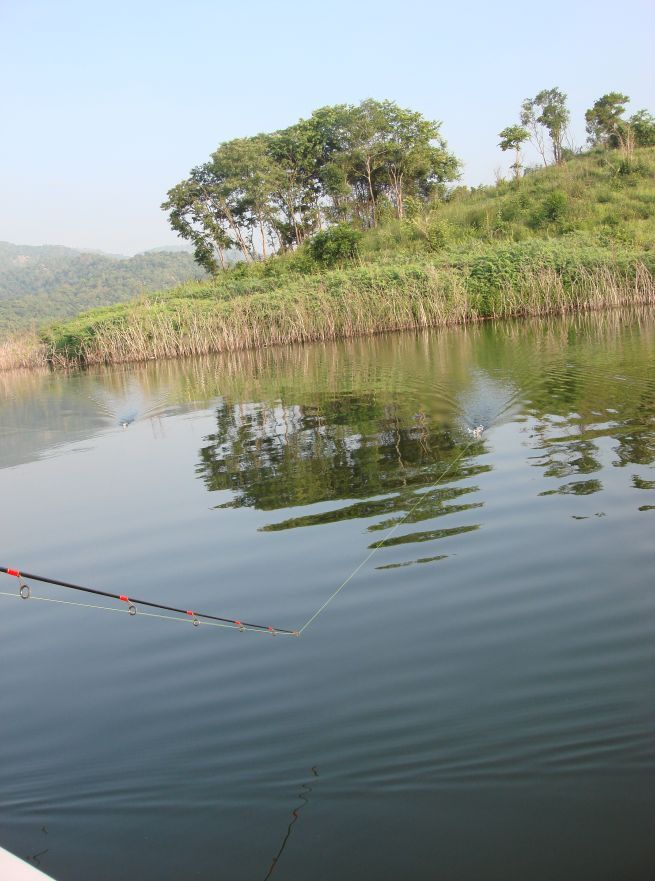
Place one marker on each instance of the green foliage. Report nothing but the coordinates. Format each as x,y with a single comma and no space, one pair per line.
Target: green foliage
504,266
511,139
547,110
533,277
439,233
271,192
553,209
39,284
643,126
510,270
604,119
335,246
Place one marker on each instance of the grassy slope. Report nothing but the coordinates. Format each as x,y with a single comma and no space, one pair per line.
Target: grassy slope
574,237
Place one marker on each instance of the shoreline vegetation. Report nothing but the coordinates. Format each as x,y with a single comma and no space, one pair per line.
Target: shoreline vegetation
376,241
415,300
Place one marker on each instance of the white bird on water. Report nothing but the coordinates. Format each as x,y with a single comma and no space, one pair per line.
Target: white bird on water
477,431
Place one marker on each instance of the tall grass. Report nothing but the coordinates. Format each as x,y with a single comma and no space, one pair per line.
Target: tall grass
340,304
24,352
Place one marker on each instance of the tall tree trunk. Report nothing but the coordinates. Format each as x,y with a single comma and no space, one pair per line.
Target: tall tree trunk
319,213
397,180
557,150
370,189
291,211
237,232
263,235
538,141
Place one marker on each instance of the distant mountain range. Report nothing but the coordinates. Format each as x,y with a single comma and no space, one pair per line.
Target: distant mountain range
48,282
172,248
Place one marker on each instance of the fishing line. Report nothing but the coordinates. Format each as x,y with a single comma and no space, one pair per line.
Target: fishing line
197,618
476,434
383,541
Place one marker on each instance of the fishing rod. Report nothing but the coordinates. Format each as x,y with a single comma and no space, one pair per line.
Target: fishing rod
475,434
133,602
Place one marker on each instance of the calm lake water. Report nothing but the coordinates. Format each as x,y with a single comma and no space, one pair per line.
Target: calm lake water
477,703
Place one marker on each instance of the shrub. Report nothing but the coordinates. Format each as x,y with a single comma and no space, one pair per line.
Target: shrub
439,234
633,168
555,207
552,211
336,245
511,210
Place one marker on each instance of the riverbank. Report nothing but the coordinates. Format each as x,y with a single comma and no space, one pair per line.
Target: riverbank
565,238
334,305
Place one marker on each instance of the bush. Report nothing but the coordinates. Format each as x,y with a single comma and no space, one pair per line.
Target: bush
633,168
555,207
552,211
511,210
336,245
439,233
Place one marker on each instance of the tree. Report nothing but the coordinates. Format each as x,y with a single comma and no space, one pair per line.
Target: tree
547,110
250,175
298,152
512,138
383,150
417,158
196,217
271,191
365,154
530,122
225,203
330,130
642,124
555,117
604,120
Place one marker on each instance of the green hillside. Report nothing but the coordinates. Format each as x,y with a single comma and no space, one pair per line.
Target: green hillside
39,284
579,235
597,197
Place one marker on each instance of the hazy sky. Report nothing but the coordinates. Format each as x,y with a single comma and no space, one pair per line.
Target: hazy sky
107,105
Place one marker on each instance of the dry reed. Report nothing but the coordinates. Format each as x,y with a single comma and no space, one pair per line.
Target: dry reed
23,352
